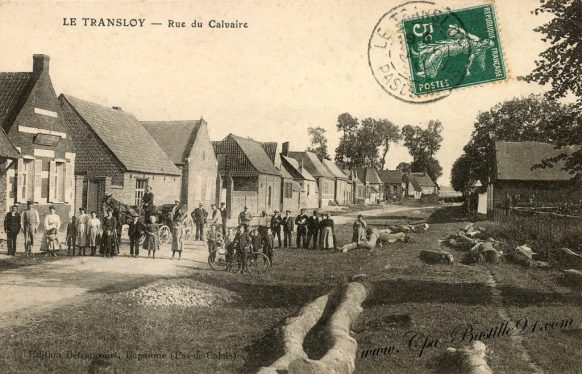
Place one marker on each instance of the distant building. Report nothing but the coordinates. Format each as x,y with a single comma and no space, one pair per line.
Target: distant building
309,198
116,156
373,183
189,147
418,184
36,151
247,176
325,180
393,185
514,177
342,185
290,189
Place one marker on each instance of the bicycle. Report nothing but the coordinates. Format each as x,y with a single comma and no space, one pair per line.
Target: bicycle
239,261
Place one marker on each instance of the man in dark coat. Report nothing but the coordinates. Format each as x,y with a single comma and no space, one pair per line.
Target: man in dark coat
199,215
276,222
147,202
301,222
287,229
135,231
12,228
223,213
312,231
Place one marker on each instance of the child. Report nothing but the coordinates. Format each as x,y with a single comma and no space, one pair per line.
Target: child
71,236
211,240
269,245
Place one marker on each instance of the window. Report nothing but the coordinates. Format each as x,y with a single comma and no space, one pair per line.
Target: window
269,197
140,185
308,189
288,190
326,187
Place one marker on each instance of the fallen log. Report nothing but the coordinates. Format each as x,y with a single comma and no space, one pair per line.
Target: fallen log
341,357
369,244
388,237
526,251
294,332
569,259
471,359
573,276
436,256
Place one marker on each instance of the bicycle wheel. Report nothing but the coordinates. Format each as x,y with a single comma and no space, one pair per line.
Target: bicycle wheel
221,260
258,263
165,235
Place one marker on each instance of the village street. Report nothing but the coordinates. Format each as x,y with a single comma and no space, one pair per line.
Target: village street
43,287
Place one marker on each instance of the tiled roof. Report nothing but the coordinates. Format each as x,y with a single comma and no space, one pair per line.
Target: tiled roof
312,164
175,137
292,166
412,180
270,149
390,176
244,157
334,170
14,89
127,139
516,159
423,179
368,175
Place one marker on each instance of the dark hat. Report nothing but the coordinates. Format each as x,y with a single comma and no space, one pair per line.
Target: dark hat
223,203
52,207
30,202
15,206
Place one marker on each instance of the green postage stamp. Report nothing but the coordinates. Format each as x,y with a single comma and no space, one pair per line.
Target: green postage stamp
452,49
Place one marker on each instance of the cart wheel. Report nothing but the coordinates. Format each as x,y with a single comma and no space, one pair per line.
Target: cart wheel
258,263
165,235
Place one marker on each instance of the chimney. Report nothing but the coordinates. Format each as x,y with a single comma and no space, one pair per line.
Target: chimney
117,108
40,64
285,149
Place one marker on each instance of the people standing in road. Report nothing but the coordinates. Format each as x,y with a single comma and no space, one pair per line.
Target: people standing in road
135,231
147,203
93,232
30,222
288,226
199,216
301,222
109,236
276,222
312,231
224,215
71,236
269,246
359,229
12,223
152,242
216,216
52,224
327,233
245,217
82,230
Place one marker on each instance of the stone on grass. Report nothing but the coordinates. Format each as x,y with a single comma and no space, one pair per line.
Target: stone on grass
434,257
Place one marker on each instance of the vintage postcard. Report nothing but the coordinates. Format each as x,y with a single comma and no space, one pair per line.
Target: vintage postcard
291,186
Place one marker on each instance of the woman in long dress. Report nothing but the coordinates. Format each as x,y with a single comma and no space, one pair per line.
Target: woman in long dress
178,234
327,234
93,231
52,223
359,230
82,227
152,242
109,235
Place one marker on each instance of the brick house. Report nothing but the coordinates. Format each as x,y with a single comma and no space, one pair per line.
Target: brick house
373,183
247,176
309,194
393,185
325,180
117,156
342,185
189,147
512,174
37,152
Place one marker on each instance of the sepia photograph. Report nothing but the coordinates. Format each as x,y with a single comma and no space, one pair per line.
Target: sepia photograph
295,187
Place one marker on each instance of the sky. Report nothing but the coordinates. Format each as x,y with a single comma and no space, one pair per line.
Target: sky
299,64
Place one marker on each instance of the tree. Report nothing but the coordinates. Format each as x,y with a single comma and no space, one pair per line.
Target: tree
422,145
388,133
318,142
561,66
367,143
531,118
347,147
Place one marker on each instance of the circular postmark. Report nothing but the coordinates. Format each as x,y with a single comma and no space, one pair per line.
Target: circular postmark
387,56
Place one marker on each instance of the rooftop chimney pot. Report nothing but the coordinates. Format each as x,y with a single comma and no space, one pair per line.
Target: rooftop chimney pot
40,64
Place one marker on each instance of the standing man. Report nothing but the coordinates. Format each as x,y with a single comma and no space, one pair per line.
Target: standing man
276,222
312,231
264,223
287,229
199,216
135,231
245,217
30,221
147,202
223,213
216,216
12,228
301,222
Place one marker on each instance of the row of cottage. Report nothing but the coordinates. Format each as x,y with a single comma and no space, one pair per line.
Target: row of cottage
68,152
